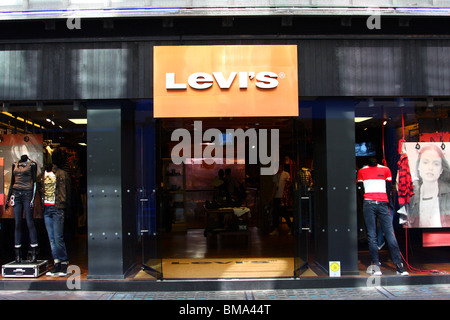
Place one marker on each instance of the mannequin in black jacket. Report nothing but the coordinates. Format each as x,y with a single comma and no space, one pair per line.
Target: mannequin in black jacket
21,195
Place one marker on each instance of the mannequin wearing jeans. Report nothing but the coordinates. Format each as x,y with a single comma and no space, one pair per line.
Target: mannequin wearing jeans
376,206
55,190
21,196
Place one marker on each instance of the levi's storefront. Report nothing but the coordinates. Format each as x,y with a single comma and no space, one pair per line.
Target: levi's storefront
227,118
227,162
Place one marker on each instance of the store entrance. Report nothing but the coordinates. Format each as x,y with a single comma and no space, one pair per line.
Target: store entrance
217,220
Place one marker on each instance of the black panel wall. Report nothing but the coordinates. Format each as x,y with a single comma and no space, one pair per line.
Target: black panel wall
111,191
124,69
334,187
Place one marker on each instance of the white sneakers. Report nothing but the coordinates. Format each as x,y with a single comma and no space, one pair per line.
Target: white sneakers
375,270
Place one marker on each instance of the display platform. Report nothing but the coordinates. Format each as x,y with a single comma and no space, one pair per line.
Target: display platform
25,269
228,268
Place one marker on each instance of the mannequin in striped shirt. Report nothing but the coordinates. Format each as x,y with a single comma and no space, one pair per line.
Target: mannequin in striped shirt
374,178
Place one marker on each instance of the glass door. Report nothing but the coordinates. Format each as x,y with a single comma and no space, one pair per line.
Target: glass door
147,190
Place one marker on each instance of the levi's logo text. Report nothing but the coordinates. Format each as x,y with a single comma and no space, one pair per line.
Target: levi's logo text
203,80
225,81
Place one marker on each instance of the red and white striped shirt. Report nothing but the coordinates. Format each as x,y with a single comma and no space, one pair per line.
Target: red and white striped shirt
374,179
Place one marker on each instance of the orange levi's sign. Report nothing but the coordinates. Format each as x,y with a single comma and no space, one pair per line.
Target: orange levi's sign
225,81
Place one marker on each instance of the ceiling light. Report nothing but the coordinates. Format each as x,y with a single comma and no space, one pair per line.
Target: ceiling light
361,119
21,119
78,121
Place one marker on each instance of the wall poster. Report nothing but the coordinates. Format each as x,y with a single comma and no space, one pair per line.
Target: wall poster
430,172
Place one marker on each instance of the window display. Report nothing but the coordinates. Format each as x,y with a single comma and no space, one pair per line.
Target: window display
43,212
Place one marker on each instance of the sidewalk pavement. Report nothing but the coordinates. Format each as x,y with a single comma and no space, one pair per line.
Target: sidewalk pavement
401,292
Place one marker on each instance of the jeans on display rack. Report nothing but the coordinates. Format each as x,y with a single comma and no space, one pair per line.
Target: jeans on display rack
372,211
22,200
54,223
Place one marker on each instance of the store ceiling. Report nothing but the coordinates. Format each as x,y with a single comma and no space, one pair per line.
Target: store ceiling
32,118
58,112
391,109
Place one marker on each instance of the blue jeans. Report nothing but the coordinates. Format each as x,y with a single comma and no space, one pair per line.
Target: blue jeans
372,211
22,200
380,234
54,223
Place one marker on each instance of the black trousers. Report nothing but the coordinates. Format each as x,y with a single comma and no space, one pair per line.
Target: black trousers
279,211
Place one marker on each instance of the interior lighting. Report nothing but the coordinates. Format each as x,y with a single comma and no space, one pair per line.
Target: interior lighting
361,119
78,121
21,119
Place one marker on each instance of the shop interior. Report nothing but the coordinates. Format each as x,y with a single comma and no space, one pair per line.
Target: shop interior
54,132
381,127
201,223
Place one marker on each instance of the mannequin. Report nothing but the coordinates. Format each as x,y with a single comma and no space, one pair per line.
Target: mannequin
21,196
376,181
54,187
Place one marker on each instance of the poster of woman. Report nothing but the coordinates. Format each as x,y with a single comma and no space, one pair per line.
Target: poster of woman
430,171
